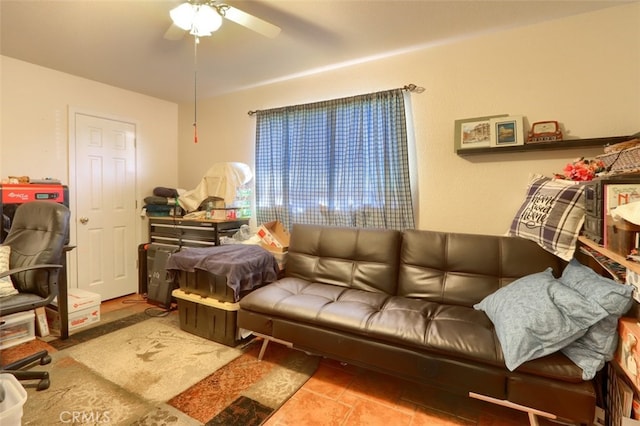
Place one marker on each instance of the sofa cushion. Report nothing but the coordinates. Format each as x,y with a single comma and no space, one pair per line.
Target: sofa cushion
457,331
599,343
365,259
462,269
552,215
537,315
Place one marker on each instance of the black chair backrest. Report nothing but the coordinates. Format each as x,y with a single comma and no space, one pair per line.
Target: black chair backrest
37,236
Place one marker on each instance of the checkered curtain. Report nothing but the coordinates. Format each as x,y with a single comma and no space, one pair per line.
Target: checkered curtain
341,162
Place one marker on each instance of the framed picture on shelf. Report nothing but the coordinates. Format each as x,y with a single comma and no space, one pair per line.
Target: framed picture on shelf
507,131
473,132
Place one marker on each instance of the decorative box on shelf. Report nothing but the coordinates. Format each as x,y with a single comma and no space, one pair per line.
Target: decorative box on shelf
622,157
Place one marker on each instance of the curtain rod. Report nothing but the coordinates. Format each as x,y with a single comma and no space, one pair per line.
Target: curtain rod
409,88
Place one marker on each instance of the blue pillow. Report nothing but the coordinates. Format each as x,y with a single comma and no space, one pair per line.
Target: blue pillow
598,345
537,315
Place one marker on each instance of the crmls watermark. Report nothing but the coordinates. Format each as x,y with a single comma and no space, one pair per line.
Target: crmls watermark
84,417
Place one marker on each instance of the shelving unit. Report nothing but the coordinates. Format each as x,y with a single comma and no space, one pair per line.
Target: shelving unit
621,388
545,146
619,259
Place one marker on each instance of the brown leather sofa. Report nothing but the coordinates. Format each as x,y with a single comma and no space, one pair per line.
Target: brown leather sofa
402,303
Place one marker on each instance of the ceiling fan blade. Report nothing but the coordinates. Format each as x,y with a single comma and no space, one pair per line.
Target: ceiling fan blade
253,23
174,32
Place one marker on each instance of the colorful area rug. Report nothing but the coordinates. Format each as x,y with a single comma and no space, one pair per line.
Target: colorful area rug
147,371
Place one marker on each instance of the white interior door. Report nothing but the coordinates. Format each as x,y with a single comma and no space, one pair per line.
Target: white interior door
105,206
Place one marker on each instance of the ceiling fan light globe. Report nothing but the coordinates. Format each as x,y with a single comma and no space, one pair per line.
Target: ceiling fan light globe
206,20
183,16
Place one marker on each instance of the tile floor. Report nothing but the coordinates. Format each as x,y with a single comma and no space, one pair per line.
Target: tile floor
347,396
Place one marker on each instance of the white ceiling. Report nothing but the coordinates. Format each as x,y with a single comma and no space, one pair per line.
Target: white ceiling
121,43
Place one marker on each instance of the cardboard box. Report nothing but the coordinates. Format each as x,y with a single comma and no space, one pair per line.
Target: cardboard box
83,309
42,326
628,353
280,256
224,214
274,236
79,299
77,319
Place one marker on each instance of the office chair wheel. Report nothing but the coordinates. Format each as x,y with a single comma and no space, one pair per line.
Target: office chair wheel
43,384
45,360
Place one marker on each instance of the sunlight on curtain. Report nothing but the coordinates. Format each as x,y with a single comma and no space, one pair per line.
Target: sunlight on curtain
412,154
341,162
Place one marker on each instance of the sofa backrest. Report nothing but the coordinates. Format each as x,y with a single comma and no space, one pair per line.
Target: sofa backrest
462,269
360,258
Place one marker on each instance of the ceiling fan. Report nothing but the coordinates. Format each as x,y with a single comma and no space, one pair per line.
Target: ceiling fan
202,18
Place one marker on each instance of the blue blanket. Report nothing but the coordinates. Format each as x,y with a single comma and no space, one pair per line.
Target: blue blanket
245,266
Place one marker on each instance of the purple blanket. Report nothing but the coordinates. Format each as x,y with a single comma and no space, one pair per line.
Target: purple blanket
245,266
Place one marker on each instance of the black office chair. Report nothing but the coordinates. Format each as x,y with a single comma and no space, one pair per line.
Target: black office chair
37,238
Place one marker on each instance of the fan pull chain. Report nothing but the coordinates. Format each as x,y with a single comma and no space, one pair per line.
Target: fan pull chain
195,89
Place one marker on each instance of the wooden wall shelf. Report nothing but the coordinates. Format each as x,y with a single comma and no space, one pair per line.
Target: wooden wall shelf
634,266
545,146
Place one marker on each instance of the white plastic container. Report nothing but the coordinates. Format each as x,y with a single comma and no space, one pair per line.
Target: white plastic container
17,328
14,398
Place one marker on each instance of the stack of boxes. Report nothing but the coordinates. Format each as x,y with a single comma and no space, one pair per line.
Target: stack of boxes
205,309
84,309
207,306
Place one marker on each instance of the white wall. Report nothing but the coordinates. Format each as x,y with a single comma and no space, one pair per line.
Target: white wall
34,116
583,71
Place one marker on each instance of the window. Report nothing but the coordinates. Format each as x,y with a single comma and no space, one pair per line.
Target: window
341,162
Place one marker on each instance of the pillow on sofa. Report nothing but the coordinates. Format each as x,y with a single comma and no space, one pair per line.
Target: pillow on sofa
591,351
552,215
537,315
6,286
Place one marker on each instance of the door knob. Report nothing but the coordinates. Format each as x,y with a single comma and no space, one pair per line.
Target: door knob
84,220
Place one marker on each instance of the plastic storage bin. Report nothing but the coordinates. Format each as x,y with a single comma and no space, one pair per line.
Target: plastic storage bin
17,328
208,318
14,398
206,284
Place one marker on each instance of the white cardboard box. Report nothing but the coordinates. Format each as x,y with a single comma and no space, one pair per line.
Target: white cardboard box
77,319
84,309
79,299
